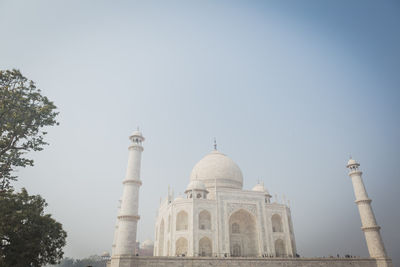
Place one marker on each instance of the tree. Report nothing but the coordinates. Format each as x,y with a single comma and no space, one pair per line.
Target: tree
23,114
29,237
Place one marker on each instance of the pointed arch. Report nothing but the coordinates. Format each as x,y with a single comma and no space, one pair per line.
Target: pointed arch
243,235
205,247
204,220
280,250
276,223
182,221
181,246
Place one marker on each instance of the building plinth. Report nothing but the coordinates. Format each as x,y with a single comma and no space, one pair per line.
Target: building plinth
248,261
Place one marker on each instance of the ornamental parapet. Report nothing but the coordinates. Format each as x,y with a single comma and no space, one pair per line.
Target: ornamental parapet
132,182
371,228
129,217
363,201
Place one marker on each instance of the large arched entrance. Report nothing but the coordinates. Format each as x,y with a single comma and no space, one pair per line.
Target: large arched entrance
243,236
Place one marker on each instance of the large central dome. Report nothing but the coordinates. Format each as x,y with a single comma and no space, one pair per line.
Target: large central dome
218,170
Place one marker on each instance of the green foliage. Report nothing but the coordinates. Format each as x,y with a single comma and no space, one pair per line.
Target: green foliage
23,114
29,237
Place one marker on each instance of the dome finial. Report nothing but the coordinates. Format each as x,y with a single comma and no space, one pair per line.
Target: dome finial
215,143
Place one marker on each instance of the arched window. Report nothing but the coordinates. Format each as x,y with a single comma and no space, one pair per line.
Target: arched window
181,246
182,221
205,247
280,250
276,223
204,220
161,242
235,228
236,251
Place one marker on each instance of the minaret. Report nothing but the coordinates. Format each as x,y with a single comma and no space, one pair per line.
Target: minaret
369,226
128,214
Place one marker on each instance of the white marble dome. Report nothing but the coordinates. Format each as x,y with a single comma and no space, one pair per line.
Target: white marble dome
352,162
196,185
179,198
137,134
217,169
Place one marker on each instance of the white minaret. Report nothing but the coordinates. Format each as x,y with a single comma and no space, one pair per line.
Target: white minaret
369,226
128,217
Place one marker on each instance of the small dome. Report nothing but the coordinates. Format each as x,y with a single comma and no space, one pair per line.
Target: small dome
178,198
196,185
137,133
147,243
217,170
352,162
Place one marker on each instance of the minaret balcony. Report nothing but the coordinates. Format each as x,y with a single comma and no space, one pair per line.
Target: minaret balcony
363,201
371,228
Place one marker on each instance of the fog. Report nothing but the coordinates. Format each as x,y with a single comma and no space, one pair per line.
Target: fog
289,90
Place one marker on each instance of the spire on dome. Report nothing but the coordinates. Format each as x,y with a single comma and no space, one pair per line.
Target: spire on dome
215,143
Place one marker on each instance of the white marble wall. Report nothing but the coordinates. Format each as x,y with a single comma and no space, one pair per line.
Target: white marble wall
221,208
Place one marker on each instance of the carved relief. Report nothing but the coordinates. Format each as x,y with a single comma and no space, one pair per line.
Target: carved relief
232,207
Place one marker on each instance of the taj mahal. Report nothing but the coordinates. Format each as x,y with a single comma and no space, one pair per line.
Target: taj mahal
218,223
218,217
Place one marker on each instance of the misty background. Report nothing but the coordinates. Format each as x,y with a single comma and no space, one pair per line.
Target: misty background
288,88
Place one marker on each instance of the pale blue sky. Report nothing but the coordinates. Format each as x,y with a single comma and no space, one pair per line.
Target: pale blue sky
288,88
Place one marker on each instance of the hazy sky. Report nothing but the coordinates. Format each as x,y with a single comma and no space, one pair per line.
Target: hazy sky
289,88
